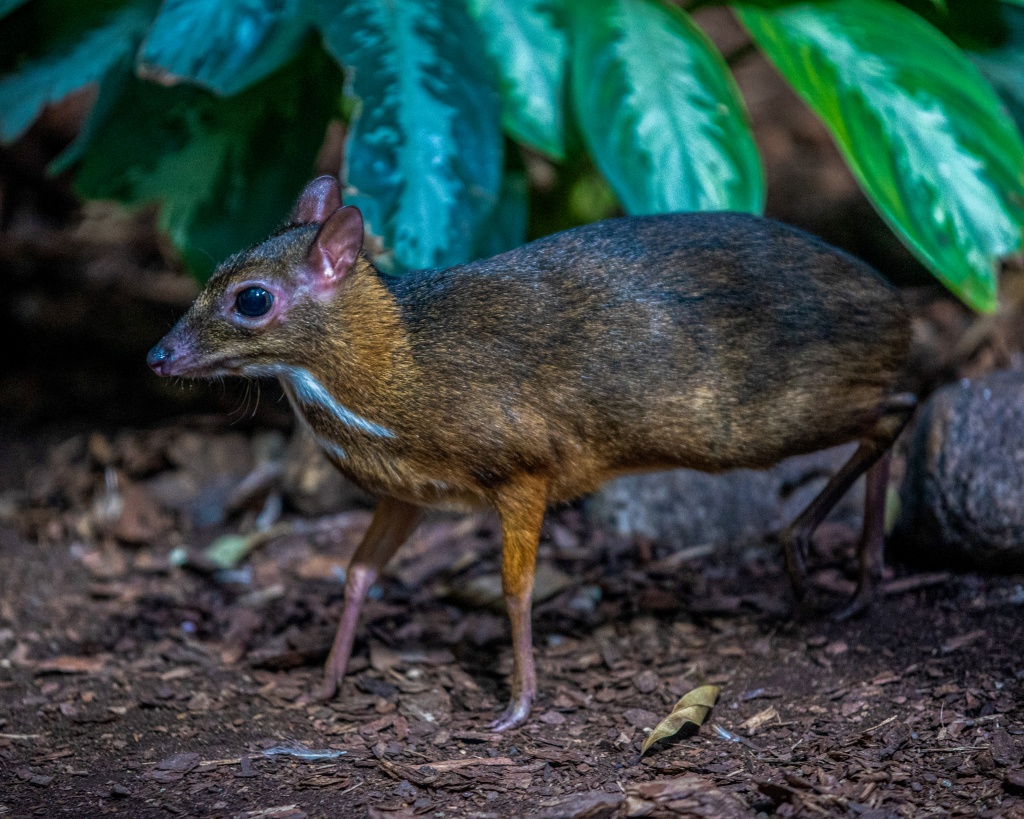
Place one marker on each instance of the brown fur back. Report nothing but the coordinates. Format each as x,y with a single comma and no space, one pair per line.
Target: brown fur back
708,341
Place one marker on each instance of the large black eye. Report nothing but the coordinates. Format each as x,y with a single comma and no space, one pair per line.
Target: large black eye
253,301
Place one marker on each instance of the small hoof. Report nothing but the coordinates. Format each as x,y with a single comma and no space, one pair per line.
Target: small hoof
858,605
322,692
513,716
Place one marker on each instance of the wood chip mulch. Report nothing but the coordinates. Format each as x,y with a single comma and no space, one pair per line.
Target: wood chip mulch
137,679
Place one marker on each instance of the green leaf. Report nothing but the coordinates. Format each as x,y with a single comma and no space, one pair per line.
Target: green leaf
224,45
424,155
505,227
1003,67
659,111
922,131
528,45
224,171
66,66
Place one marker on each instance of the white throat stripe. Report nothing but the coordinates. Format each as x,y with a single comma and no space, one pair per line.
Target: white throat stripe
311,392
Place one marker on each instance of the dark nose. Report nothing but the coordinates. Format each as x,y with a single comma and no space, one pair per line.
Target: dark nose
159,359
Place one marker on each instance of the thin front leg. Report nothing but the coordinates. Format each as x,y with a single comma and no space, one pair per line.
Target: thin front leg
521,508
393,522
871,550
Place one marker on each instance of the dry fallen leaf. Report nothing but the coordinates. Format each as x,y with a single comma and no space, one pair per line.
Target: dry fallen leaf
760,719
694,707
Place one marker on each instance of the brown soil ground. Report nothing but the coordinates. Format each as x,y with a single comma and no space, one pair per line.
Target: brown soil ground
133,685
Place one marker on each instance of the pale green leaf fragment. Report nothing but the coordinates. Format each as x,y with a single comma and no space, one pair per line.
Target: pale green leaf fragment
228,551
692,709
893,507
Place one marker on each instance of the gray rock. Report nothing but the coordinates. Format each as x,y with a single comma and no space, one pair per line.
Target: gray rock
963,498
733,509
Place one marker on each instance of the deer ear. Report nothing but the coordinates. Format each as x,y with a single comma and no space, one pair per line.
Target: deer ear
319,200
337,245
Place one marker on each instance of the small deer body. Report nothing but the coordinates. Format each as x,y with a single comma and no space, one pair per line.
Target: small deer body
708,341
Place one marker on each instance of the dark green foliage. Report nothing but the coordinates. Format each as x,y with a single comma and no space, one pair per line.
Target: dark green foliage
506,225
226,45
425,151
61,46
215,109
1003,66
7,6
968,23
205,158
660,112
918,125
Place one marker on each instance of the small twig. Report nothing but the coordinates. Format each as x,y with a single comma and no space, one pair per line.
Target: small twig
952,750
454,764
874,728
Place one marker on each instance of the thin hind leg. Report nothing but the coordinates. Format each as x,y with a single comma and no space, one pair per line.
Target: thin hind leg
871,549
796,537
